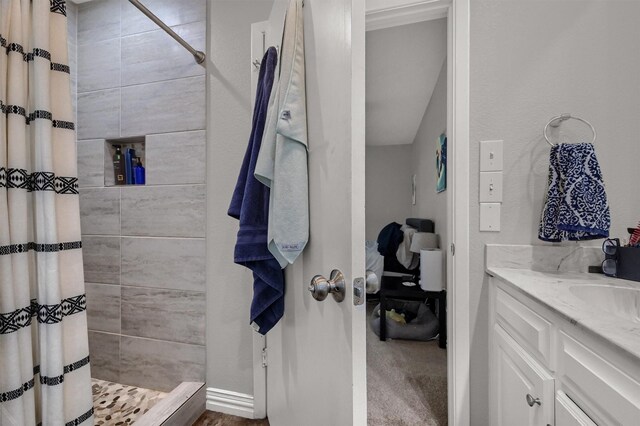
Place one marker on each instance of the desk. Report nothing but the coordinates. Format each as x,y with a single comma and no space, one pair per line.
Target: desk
392,288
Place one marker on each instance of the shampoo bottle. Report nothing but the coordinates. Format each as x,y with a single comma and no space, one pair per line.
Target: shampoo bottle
118,166
138,172
129,156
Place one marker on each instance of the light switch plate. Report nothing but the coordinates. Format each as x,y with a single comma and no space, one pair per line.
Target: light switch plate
491,156
490,217
490,187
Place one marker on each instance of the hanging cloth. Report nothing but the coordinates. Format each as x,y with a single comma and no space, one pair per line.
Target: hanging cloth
44,352
250,205
576,207
282,162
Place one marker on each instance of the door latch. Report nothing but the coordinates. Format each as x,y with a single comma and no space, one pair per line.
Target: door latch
358,291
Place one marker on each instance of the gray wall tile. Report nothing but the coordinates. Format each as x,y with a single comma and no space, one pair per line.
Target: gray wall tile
98,20
164,93
101,258
100,211
189,11
176,158
172,315
155,56
72,22
91,163
174,263
160,365
99,65
163,211
103,307
104,350
99,114
168,106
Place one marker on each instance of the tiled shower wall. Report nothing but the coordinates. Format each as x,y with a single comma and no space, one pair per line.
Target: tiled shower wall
144,247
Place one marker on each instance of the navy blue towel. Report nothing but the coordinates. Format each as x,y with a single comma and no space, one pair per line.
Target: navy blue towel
576,208
250,205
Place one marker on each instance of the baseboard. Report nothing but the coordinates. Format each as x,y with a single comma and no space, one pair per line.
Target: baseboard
229,402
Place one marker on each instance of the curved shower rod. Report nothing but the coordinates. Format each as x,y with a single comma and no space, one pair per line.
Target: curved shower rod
197,54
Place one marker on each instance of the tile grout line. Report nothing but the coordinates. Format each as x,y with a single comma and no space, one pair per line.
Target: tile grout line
119,189
145,338
88,92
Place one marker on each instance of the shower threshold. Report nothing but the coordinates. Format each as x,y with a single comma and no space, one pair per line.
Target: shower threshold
116,403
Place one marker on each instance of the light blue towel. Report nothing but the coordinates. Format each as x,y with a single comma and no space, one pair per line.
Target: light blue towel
576,208
282,162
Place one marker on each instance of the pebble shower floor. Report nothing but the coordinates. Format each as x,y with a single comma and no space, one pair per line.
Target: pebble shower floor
117,404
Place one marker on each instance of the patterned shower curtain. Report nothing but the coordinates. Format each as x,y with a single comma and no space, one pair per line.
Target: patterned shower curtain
44,354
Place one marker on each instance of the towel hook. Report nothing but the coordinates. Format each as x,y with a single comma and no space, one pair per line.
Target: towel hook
556,121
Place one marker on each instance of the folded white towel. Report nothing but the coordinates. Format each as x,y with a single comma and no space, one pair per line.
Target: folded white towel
405,256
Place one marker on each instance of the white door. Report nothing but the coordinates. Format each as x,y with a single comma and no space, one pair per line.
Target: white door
316,374
524,390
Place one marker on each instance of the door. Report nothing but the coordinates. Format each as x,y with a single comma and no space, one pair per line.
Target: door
524,390
316,356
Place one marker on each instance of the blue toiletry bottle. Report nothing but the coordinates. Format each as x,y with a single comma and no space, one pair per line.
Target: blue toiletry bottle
138,172
129,157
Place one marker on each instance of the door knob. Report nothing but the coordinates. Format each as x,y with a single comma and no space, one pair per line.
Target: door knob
320,287
533,401
373,283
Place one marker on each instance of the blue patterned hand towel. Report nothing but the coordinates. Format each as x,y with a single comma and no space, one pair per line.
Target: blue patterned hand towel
576,208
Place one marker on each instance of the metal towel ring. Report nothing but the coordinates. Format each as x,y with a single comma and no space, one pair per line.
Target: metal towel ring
555,122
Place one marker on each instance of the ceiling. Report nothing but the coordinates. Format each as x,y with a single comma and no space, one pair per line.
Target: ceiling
403,64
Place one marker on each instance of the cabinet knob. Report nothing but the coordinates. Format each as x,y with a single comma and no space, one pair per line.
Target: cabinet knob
533,401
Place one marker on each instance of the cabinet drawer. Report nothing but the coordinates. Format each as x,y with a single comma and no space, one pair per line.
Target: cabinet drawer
607,394
528,328
569,414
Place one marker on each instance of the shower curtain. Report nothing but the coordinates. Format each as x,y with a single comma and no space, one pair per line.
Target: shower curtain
44,354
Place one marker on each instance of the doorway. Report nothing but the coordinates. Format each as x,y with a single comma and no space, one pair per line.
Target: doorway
314,333
407,221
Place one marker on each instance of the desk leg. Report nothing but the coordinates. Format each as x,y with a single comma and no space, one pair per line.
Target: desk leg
442,318
383,317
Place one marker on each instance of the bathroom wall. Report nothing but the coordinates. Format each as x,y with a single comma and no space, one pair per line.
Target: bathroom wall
429,203
532,60
144,246
388,186
229,112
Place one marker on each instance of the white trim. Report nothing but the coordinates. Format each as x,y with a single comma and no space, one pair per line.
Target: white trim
259,377
458,333
229,402
259,342
403,14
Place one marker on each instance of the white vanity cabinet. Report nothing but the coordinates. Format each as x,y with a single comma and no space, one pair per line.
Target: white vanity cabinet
545,371
568,413
524,390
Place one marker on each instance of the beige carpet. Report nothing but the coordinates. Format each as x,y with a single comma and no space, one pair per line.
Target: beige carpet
406,381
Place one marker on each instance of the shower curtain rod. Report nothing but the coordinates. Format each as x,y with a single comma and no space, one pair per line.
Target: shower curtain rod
197,55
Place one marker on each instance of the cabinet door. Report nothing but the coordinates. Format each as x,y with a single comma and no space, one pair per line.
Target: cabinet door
524,390
569,414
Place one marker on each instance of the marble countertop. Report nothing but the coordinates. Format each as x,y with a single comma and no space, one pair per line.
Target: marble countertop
552,290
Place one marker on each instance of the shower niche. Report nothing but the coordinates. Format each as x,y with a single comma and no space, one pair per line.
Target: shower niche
123,159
